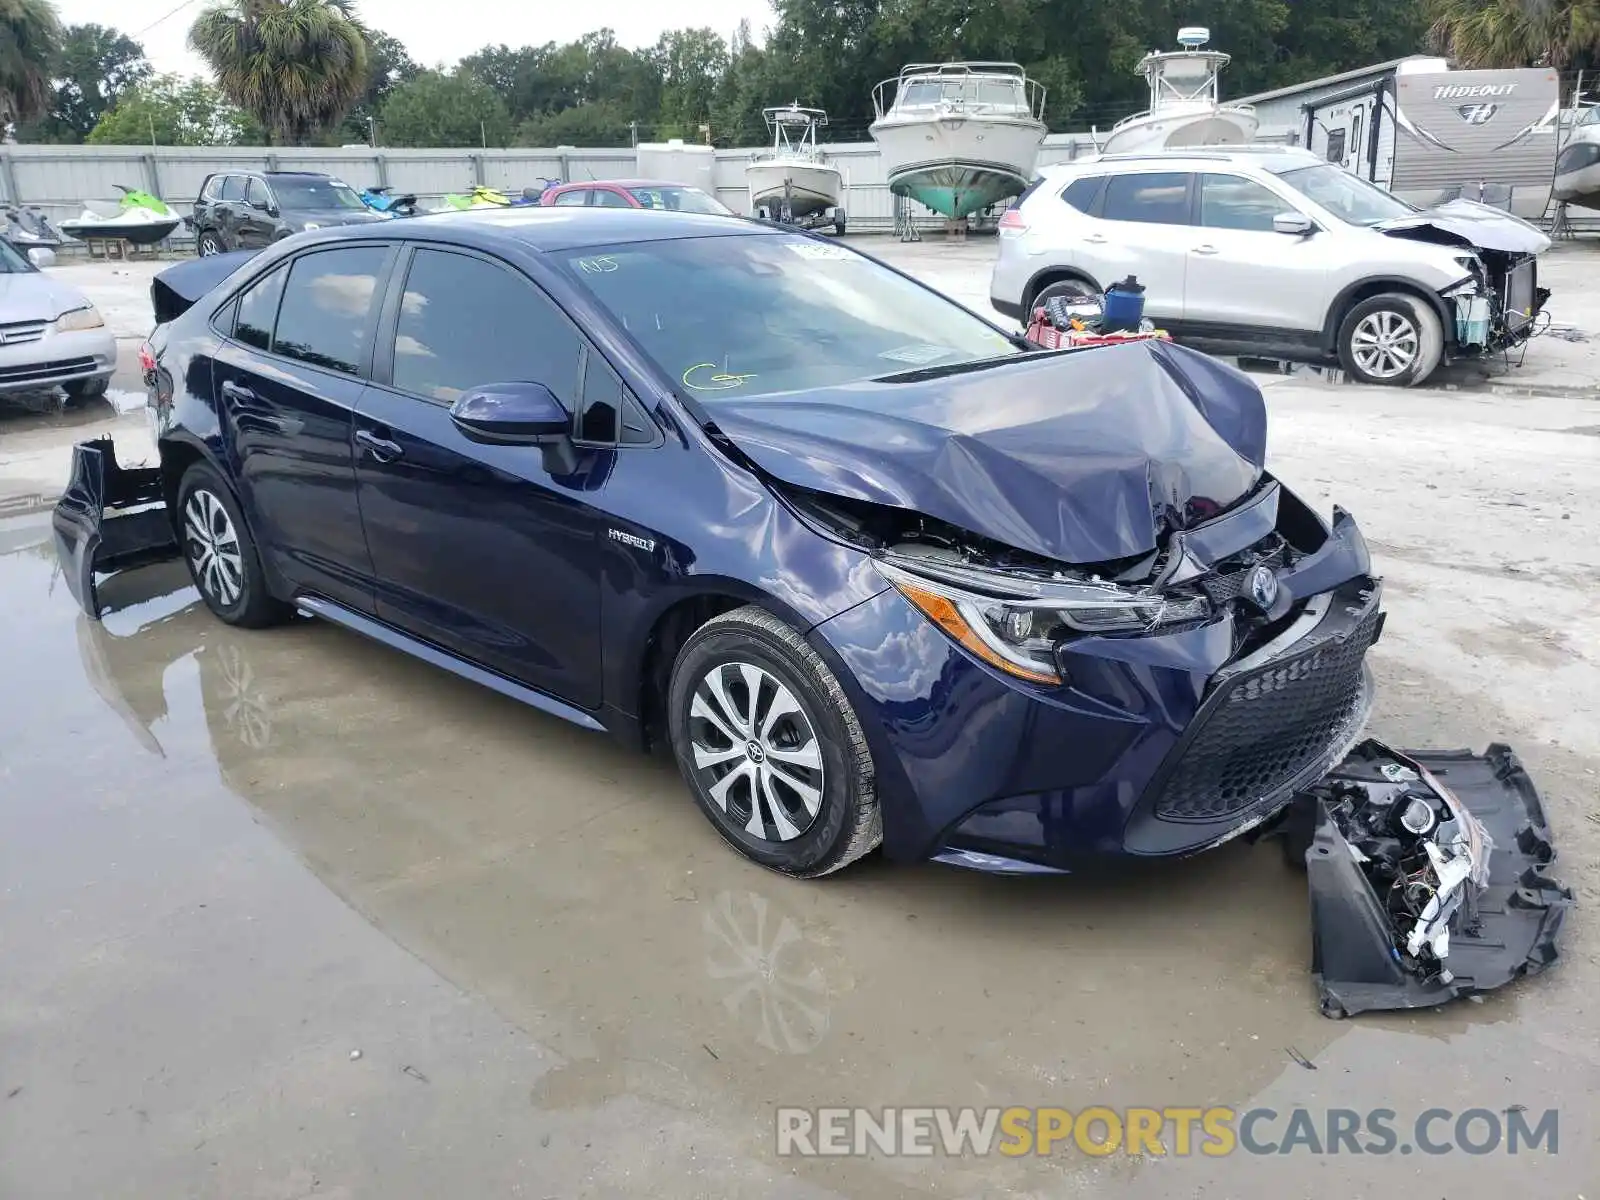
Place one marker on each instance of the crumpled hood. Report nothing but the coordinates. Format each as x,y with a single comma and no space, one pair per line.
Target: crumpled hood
1475,224
1082,457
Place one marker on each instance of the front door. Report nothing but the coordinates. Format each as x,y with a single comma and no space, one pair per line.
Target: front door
480,548
287,383
1144,219
1245,275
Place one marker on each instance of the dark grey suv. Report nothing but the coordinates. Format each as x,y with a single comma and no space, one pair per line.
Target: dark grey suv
245,210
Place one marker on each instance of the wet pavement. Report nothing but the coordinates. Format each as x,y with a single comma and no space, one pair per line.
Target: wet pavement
234,859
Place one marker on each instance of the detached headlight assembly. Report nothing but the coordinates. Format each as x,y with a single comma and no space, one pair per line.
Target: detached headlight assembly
78,319
1015,624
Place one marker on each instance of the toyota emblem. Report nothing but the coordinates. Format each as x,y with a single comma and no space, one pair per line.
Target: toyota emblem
1263,585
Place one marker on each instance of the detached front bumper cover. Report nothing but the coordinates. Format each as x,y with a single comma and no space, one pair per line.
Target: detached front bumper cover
110,518
1430,877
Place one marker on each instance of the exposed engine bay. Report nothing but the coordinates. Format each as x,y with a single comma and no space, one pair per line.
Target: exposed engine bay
1430,877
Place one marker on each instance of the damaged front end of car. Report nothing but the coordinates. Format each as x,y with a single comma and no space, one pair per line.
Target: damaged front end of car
1497,302
1431,877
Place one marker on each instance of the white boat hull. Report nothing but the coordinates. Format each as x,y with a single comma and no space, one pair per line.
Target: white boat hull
958,165
810,187
1151,132
1577,178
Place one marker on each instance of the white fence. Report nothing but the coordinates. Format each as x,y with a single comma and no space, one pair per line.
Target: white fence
63,179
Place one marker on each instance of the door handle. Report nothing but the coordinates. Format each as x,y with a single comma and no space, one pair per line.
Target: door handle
1205,249
238,392
380,448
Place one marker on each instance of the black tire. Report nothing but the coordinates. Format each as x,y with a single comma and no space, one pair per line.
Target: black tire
1410,329
847,822
80,390
1060,287
230,579
209,242
838,228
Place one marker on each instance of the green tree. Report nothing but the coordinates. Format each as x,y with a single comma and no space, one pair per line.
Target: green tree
93,66
436,109
1515,33
298,66
388,66
174,111
690,63
600,124
30,37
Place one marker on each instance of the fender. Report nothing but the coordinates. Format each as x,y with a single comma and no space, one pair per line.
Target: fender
1345,299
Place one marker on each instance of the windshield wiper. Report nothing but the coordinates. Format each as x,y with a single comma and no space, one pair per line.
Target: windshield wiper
919,374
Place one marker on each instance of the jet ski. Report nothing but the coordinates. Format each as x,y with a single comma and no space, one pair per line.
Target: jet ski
29,227
488,197
141,220
380,199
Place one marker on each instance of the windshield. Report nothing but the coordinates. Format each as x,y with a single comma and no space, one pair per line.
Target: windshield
680,199
735,317
1345,195
12,261
315,193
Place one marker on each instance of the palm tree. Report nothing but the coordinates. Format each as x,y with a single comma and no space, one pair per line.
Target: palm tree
30,36
1515,33
297,65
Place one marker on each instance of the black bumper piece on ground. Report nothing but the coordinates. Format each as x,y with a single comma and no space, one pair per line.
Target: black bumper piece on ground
110,518
1505,929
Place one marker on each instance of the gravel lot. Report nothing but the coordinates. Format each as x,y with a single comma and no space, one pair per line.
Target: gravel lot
232,860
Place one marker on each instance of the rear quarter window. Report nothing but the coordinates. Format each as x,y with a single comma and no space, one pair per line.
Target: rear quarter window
1082,194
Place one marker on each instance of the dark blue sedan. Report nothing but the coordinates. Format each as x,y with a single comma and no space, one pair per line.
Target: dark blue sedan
877,571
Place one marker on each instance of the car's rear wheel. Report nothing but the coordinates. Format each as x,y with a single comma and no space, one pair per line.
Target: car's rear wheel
1392,340
209,243
221,554
771,747
1076,289
80,390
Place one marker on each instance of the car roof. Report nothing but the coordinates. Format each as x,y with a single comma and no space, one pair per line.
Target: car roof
1268,158
546,228
625,183
272,174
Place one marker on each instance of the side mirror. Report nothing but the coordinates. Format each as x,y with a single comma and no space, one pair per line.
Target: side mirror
41,256
518,414
1294,224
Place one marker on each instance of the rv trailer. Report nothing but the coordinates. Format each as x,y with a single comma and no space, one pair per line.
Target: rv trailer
1433,135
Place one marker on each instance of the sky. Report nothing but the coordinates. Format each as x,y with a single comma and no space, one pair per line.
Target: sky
438,31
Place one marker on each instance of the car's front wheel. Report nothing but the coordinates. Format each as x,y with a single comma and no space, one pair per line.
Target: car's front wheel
209,243
771,747
1393,340
221,553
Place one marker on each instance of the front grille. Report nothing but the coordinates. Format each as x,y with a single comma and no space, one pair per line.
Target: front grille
18,333
34,372
1260,729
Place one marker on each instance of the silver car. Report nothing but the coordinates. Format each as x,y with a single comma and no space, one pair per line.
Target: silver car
50,335
1272,252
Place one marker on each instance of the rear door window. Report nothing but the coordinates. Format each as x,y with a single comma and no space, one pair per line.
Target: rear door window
1081,194
574,198
451,332
233,188
1154,198
327,311
606,198
258,311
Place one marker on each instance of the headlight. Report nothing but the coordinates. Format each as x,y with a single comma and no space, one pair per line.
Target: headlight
79,318
1472,265
309,226
1015,624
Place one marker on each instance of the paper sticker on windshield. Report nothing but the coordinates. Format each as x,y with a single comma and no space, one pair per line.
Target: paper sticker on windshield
917,354
820,250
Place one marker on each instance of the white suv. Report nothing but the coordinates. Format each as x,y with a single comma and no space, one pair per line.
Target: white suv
1272,252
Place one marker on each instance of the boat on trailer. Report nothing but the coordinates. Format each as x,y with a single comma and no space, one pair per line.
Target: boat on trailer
959,137
793,182
1186,108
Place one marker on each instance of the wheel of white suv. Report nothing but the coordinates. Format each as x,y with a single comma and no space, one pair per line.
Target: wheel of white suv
771,747
1075,289
1393,340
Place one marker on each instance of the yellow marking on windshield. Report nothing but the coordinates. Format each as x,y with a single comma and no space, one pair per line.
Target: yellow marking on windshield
718,381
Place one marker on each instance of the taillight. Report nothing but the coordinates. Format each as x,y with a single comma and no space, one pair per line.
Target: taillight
147,360
1012,219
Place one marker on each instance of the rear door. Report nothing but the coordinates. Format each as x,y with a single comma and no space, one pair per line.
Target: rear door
1243,274
256,224
226,211
1145,218
479,548
287,382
